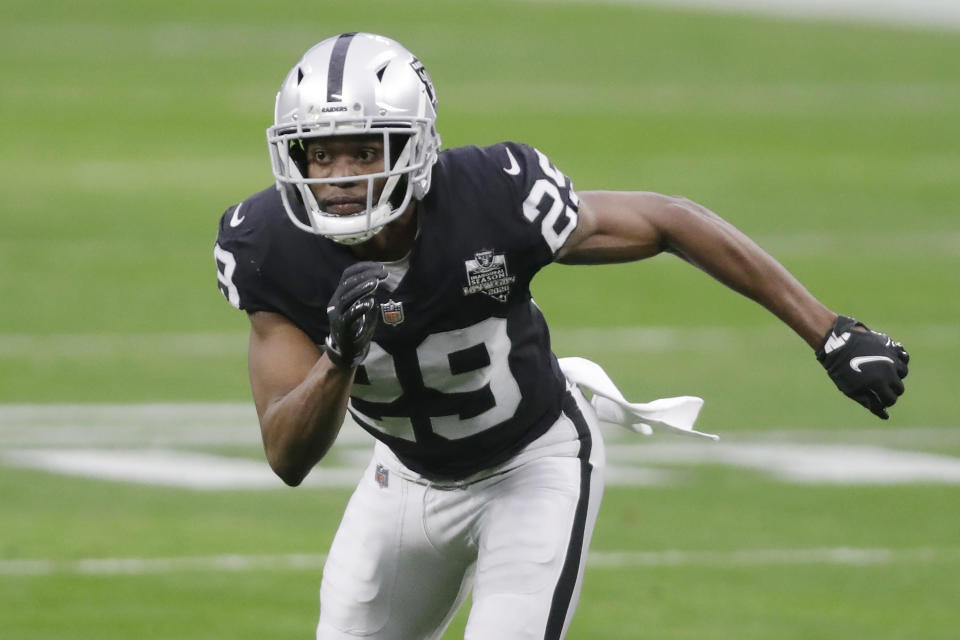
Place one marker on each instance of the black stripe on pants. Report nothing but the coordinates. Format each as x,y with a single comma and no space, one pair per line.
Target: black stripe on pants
571,564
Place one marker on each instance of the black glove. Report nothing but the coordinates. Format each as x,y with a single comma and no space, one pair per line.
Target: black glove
867,366
352,311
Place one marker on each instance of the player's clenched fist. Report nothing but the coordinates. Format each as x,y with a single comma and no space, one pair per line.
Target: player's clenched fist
353,314
865,365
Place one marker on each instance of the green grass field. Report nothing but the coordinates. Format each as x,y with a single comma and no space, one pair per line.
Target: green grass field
127,128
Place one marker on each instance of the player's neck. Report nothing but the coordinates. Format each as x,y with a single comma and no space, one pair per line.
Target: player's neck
393,242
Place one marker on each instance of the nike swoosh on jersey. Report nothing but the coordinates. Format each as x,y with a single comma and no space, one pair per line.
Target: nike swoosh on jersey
514,168
856,362
235,219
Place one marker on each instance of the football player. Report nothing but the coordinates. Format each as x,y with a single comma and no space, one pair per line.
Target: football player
389,279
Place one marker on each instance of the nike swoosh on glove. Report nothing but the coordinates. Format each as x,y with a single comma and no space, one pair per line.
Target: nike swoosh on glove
352,311
867,366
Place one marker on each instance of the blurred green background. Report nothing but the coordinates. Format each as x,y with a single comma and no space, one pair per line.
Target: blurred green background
127,128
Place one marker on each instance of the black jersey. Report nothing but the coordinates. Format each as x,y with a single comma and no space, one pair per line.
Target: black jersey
460,374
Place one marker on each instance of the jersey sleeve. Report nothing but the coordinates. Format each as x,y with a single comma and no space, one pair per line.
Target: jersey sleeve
238,254
545,198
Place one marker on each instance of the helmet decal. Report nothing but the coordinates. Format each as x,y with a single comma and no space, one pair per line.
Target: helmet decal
337,61
427,81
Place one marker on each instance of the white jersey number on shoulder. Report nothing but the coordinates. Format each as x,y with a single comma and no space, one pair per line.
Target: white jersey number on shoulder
546,192
226,265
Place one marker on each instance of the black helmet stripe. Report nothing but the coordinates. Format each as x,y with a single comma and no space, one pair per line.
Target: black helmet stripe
337,60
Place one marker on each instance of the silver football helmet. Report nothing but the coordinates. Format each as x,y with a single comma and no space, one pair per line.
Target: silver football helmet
356,83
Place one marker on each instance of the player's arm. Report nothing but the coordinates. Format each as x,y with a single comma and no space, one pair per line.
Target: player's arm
301,397
301,391
620,226
625,226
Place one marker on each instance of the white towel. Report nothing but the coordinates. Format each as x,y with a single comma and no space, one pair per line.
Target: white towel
676,414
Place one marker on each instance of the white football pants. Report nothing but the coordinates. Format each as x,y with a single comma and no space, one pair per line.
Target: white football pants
409,551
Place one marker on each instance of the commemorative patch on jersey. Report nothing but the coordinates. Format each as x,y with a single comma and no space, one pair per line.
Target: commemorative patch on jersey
391,312
487,273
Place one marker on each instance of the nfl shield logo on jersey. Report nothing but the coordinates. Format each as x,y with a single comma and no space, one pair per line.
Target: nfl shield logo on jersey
392,312
382,476
487,273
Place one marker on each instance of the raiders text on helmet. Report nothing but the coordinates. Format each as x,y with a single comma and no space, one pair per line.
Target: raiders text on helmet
355,83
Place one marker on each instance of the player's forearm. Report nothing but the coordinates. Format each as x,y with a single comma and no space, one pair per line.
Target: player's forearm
714,245
299,428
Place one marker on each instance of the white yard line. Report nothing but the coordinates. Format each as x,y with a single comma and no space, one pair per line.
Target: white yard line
156,444
143,425
719,339
84,345
626,339
941,14
142,566
847,556
178,469
766,557
801,463
235,423
653,463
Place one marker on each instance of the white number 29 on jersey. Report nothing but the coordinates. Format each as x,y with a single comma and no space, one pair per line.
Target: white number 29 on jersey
488,347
